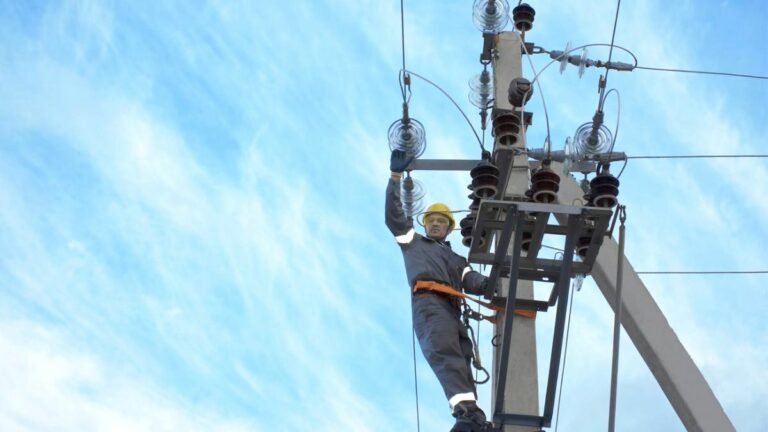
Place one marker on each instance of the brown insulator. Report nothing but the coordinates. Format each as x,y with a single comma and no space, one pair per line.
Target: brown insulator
467,226
544,185
485,179
506,128
604,189
526,237
523,17
475,206
519,92
582,246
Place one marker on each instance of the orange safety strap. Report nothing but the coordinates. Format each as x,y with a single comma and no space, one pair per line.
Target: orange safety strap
445,289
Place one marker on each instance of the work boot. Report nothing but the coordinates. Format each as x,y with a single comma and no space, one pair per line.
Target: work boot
469,418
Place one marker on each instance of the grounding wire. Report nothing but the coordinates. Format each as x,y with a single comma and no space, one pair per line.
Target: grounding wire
565,357
479,141
702,72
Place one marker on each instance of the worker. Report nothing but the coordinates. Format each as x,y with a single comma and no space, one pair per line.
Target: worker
430,262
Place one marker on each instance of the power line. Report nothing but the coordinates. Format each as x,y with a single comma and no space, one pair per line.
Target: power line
402,43
702,72
610,53
725,272
479,141
698,156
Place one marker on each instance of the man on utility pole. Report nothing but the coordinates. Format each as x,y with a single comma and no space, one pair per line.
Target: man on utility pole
437,276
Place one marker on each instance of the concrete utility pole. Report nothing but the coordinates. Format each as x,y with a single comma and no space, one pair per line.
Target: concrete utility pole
666,357
521,393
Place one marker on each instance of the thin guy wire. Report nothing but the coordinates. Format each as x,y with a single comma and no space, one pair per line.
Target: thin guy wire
610,53
565,358
415,378
702,72
454,104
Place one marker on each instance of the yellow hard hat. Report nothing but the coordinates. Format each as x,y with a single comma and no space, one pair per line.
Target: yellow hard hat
442,209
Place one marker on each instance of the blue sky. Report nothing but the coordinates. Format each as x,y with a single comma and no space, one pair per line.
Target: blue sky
191,201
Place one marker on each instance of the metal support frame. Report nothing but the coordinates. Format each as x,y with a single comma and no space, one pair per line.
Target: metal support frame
593,223
507,220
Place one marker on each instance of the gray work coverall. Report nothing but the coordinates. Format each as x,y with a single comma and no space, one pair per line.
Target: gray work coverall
436,317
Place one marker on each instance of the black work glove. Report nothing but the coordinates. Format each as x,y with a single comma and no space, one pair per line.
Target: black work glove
399,161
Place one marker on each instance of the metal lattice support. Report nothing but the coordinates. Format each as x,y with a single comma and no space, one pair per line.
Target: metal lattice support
506,222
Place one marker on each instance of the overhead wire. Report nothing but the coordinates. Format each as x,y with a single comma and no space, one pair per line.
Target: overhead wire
731,74
715,272
402,43
610,54
618,119
479,141
626,159
565,53
698,156
403,84
541,93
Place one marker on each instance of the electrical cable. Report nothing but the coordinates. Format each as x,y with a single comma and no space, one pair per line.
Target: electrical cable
479,141
688,157
406,99
415,378
565,53
622,168
565,357
698,156
618,119
541,93
610,54
702,72
725,272
402,42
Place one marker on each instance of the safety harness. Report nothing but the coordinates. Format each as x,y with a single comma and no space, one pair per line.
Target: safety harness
445,289
468,313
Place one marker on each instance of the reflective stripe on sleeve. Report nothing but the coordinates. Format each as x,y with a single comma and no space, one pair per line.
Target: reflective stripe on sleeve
461,397
407,237
467,269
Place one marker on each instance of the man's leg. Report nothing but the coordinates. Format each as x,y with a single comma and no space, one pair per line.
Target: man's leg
445,345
